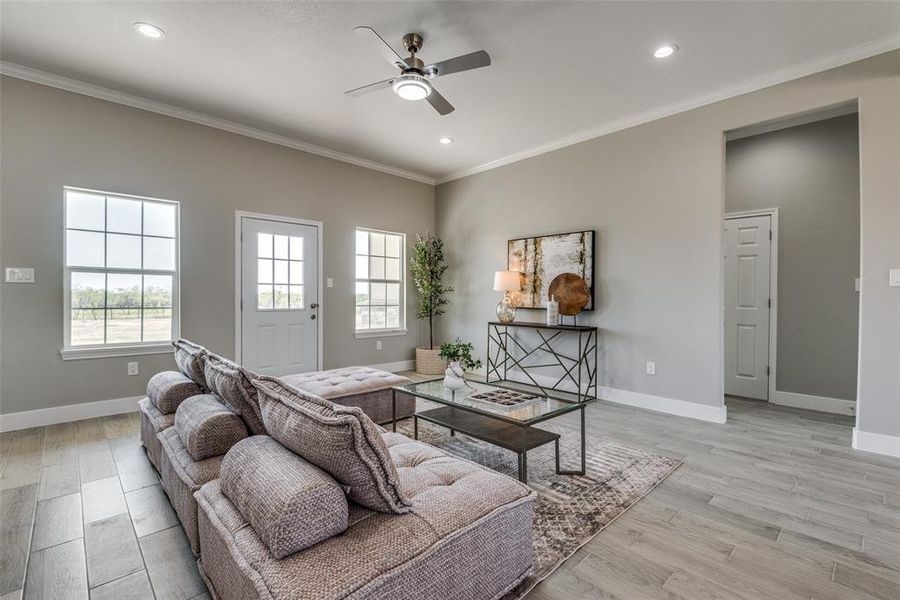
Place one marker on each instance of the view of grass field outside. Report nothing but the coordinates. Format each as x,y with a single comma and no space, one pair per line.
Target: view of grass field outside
133,308
121,261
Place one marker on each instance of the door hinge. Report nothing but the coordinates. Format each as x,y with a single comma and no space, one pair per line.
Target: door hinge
242,306
770,303
770,235
767,369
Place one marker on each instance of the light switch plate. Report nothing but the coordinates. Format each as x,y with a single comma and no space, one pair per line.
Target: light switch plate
856,284
329,282
651,368
894,278
133,368
19,275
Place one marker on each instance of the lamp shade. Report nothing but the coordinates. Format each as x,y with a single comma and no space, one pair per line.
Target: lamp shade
507,281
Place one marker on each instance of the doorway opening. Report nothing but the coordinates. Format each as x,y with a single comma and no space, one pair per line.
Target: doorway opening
791,260
278,294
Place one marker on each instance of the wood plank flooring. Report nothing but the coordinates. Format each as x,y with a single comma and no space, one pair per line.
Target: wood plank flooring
773,504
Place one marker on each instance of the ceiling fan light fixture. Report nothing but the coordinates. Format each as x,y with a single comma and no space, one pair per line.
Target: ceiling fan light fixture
412,86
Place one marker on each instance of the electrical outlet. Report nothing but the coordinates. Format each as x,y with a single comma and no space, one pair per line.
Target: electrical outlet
378,345
651,368
329,282
133,368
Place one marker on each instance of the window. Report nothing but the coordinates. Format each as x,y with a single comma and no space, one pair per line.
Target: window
279,272
121,274
380,293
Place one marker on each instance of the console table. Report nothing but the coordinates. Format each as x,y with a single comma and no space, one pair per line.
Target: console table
505,351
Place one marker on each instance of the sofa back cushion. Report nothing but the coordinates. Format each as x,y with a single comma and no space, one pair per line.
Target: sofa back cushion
190,358
290,503
226,380
341,440
207,427
168,389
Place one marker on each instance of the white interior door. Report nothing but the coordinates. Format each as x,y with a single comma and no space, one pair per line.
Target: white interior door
747,265
279,296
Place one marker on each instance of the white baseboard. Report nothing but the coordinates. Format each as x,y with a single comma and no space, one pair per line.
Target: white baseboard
393,367
64,414
691,410
820,403
876,442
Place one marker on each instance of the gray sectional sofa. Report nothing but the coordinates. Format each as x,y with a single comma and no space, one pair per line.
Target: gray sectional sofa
287,495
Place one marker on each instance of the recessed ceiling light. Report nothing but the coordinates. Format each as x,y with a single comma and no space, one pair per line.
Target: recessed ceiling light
665,51
151,31
446,140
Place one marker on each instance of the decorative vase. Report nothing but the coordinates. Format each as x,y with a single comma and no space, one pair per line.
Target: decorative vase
506,311
552,312
454,376
429,361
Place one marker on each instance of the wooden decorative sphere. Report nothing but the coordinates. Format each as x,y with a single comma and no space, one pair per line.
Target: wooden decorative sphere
571,291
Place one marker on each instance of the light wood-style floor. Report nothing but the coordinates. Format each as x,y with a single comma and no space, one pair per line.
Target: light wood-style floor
773,504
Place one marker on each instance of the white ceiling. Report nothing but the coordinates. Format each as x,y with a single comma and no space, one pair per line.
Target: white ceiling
561,70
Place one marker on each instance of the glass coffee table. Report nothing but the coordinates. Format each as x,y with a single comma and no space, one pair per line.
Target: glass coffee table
509,427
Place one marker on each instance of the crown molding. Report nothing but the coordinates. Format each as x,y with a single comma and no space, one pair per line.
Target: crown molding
838,59
169,110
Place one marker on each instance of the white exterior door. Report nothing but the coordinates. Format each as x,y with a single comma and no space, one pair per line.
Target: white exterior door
279,296
747,255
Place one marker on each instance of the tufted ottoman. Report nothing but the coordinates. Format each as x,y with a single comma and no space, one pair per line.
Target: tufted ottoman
365,387
467,535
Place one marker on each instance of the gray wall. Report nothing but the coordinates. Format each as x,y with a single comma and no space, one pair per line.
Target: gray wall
811,174
655,193
53,138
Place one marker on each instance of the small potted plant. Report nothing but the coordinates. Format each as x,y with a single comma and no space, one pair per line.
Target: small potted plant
427,267
459,355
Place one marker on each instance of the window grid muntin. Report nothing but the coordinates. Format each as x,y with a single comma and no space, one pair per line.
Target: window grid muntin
289,285
69,270
369,280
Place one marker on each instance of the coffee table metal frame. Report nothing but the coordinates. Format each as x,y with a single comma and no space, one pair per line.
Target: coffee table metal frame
516,435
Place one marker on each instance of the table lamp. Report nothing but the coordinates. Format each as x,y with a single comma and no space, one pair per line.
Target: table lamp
506,282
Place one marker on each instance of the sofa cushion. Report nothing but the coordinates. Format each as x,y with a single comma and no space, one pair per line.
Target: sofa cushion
152,422
347,381
228,382
468,534
181,476
207,427
190,358
341,440
168,389
290,503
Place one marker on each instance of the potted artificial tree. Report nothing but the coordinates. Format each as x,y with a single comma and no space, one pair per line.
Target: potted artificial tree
427,268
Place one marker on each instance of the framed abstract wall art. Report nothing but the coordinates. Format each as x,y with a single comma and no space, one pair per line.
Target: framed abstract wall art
541,258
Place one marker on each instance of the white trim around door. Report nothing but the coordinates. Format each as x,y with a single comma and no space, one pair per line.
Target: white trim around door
773,289
238,215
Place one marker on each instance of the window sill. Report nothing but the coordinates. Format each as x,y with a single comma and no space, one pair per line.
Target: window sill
375,333
115,351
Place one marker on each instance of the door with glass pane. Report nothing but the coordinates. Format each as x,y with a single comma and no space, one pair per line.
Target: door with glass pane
279,296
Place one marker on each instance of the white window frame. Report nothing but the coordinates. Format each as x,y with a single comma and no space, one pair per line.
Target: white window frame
374,333
69,352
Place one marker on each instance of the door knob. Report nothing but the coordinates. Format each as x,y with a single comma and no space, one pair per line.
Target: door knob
313,317
314,305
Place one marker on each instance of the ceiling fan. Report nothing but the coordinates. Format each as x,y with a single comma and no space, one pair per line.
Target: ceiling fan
414,80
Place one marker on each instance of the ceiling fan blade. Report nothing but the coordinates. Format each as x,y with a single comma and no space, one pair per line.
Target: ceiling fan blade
368,89
439,103
466,62
387,51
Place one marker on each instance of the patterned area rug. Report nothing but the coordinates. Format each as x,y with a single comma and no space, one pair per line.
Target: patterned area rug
570,510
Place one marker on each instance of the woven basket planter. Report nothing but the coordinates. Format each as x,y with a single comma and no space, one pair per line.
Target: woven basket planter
429,361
